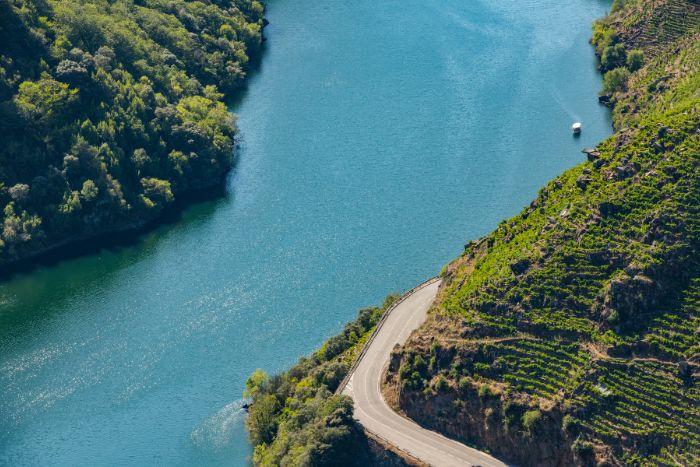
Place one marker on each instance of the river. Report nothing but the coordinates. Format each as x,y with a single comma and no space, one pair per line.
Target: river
378,137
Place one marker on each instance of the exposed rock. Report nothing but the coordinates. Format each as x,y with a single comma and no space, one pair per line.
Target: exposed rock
493,422
583,181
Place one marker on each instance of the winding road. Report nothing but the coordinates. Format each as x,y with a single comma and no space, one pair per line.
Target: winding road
375,414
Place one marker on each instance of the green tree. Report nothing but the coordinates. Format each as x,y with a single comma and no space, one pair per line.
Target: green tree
44,100
635,60
89,191
255,383
262,419
157,190
615,80
613,56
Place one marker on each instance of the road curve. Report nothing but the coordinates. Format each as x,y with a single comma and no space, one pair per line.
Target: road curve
375,414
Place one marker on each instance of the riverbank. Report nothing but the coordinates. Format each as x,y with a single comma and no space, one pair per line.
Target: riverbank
112,237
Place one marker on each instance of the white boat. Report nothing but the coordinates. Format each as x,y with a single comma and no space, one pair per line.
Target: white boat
576,128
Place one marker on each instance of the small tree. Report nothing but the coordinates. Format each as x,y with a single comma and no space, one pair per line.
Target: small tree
615,80
89,190
485,391
635,60
530,420
582,448
441,384
262,419
613,56
255,383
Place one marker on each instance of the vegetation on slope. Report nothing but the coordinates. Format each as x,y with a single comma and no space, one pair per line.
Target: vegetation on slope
571,334
295,419
110,109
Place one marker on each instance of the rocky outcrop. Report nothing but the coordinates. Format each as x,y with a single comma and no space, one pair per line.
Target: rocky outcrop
483,415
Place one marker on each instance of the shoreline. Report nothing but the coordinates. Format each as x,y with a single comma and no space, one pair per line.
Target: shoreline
123,235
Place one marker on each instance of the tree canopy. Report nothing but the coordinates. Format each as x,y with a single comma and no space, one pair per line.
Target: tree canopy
110,109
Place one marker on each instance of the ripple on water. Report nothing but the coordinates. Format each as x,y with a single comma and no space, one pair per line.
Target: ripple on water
216,432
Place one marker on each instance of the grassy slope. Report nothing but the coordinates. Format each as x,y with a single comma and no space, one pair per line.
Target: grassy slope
577,322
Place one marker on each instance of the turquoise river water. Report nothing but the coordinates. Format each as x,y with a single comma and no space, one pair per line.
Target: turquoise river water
378,137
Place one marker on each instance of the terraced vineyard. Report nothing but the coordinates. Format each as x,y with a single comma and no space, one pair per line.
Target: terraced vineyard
571,334
664,21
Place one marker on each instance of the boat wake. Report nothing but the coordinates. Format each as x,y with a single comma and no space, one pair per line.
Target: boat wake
216,432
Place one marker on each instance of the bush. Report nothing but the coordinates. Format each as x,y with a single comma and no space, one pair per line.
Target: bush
569,424
464,384
582,448
613,318
617,5
256,383
441,384
530,419
262,419
485,391
635,60
613,56
615,80
603,36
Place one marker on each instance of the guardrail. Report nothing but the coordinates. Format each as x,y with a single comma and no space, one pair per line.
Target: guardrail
380,323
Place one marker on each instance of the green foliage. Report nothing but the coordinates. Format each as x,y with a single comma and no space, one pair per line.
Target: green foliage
530,420
569,423
262,419
613,56
109,110
44,101
256,383
317,431
295,419
603,36
617,5
635,60
485,391
441,384
615,80
413,372
582,448
89,191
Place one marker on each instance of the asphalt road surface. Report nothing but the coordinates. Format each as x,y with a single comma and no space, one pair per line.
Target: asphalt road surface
375,414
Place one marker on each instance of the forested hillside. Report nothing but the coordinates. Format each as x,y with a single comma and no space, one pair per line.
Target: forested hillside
111,109
571,334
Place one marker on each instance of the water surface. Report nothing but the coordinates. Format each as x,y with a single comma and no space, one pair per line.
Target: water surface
378,138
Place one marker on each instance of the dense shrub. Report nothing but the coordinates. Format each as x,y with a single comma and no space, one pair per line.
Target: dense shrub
530,420
613,56
615,80
582,448
635,60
